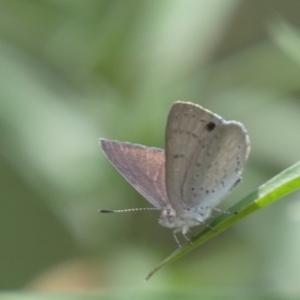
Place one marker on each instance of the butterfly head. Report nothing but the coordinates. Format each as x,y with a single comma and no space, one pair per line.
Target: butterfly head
168,217
188,217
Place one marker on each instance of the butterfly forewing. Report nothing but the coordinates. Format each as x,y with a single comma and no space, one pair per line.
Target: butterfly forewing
204,156
143,167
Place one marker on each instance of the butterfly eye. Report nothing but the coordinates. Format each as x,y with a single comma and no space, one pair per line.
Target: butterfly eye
171,216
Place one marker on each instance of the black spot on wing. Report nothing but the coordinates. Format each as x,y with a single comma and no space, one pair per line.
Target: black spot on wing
210,126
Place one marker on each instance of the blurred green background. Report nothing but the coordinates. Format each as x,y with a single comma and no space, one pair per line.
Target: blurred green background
73,71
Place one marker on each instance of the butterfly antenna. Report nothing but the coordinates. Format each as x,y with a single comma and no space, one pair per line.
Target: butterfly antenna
127,210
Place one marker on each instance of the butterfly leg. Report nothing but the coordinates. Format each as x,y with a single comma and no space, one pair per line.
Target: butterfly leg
175,238
187,238
208,226
223,211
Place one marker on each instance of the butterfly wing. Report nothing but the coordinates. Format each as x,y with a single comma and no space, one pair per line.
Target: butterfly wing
143,167
205,156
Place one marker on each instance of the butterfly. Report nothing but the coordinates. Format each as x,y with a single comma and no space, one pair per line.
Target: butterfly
203,160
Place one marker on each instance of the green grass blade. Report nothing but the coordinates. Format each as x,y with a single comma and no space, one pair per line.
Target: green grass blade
279,186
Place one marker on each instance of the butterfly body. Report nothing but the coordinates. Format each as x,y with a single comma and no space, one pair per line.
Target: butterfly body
188,218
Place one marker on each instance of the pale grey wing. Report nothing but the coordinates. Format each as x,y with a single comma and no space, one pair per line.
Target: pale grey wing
204,156
216,168
141,166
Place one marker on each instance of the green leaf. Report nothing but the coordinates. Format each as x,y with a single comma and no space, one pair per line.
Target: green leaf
279,186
